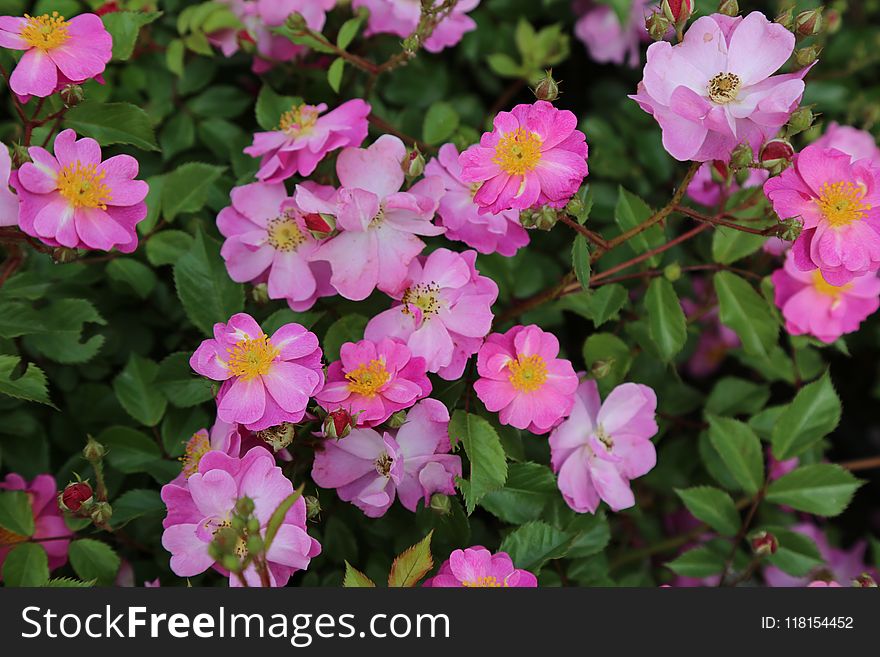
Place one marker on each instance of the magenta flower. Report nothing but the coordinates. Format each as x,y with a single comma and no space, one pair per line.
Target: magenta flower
57,51
267,240
368,468
444,314
486,232
304,137
710,185
606,40
534,156
401,17
716,89
378,223
266,381
48,520
8,200
373,380
522,379
858,144
204,505
476,567
814,307
839,203
74,199
602,446
223,437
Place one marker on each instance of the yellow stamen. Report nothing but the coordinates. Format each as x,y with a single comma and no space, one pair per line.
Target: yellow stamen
83,186
45,32
527,373
518,152
251,358
486,581
724,88
298,120
423,296
824,287
841,203
368,378
196,448
284,234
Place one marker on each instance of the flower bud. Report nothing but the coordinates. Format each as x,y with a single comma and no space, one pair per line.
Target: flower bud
800,120
313,507
338,424
107,8
260,293
397,420
602,368
296,22
231,562
71,95
657,25
865,581
764,544
93,451
543,218
547,89
786,18
320,225
101,513
806,56
62,255
776,155
575,206
742,156
278,437
809,22
672,272
244,506
411,44
832,21
728,8
790,229
440,504
254,544
75,496
677,11
20,155
414,163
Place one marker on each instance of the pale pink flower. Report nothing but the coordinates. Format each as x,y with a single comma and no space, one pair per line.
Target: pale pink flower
812,306
444,314
378,223
204,505
74,199
706,189
716,89
838,202
821,584
267,240
486,232
266,381
401,17
369,468
602,446
8,200
535,155
373,380
606,40
476,567
522,379
305,135
57,51
858,144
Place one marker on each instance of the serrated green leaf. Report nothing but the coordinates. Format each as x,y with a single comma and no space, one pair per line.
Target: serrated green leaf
112,123
349,328
488,471
742,309
27,564
580,260
136,390
134,504
411,565
814,413
796,555
355,579
440,122
16,515
698,562
631,211
94,560
270,106
734,396
825,489
730,245
532,545
136,275
180,385
124,27
167,247
528,490
712,506
740,450
30,385
186,188
667,324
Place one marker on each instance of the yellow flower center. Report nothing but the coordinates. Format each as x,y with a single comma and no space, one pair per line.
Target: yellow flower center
298,120
196,448
841,203
83,186
45,32
9,538
368,378
724,88
487,581
284,234
423,296
824,287
518,152
604,438
251,358
527,373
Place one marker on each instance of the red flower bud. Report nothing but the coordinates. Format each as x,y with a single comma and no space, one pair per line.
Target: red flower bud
75,495
776,155
338,424
108,8
677,11
764,544
319,225
865,581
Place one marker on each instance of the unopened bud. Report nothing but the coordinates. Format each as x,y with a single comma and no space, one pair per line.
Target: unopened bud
75,496
809,22
806,56
62,255
296,22
397,420
602,368
865,581
677,11
254,544
101,513
278,437
576,206
742,156
244,506
790,229
338,424
231,562
411,44
440,504
657,25
728,8
71,95
260,293
543,218
20,155
764,544
776,155
786,18
313,507
93,451
414,163
320,225
800,120
547,89
672,272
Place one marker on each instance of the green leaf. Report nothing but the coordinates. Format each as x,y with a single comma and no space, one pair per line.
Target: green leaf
585,196
699,562
334,74
26,564
178,134
270,106
136,503
440,123
355,579
730,245
186,188
739,449
204,287
528,490
136,275
174,57
64,324
30,386
220,101
129,450
167,247
67,583
797,554
612,351
180,385
348,32
712,506
667,325
632,211
504,65
532,545
814,413
112,123
349,328
734,396
136,391
825,489
599,305
124,27
744,310
94,560
580,260
412,564
592,533
16,515
488,470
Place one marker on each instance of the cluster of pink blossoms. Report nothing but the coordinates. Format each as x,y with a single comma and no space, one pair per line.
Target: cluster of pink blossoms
401,17
476,567
606,40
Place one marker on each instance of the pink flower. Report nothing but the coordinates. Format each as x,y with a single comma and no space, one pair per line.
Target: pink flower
368,468
266,381
48,520
706,189
819,583
304,137
8,200
716,89
74,199
476,567
858,144
275,12
534,156
373,380
401,17
839,203
378,223
267,240
601,447
57,51
487,232
814,307
522,379
606,40
197,510
223,437
776,246
444,314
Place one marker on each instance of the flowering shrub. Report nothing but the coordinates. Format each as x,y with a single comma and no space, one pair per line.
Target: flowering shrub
306,292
